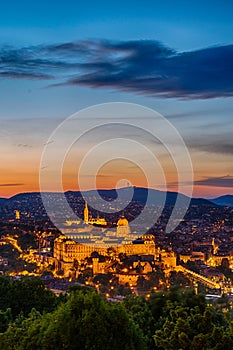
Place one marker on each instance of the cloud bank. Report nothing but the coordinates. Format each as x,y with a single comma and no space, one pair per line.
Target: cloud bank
144,66
218,181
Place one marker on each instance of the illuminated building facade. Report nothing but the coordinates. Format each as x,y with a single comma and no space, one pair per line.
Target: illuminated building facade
123,228
92,221
79,242
86,214
66,251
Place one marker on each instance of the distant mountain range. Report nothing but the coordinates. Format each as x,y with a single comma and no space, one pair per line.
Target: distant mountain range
226,200
142,195
150,196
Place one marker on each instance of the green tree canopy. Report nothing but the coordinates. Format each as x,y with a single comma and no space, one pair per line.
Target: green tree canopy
85,321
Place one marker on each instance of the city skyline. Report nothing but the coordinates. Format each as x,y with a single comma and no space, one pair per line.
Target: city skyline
173,58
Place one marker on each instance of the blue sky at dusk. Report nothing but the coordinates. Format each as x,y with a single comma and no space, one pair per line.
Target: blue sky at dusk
174,57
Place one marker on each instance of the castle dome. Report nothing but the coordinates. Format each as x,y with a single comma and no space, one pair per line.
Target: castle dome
122,222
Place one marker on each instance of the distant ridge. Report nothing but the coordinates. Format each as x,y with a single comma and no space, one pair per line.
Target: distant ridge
156,196
139,195
226,200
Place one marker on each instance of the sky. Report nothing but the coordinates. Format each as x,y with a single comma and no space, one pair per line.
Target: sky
57,58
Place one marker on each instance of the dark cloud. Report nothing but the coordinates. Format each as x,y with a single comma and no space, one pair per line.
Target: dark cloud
23,75
217,181
212,143
145,67
11,184
219,148
221,181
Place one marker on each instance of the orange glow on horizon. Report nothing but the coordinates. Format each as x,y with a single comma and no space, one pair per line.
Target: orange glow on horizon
33,186
22,175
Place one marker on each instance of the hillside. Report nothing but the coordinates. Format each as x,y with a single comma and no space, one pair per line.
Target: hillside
226,200
32,201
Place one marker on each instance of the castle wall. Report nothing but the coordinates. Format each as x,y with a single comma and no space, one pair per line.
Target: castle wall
66,251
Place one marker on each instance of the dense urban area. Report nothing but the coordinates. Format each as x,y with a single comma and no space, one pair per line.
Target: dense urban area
155,290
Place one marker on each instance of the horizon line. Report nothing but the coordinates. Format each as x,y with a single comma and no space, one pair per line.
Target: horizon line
111,189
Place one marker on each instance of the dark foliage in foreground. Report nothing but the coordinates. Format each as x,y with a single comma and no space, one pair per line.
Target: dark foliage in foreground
85,320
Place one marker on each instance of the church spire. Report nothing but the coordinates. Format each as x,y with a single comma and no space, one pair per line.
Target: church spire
86,213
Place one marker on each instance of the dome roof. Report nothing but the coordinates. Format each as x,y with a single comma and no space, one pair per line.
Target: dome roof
122,222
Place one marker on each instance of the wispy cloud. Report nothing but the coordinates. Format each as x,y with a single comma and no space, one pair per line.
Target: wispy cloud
11,184
145,67
94,176
218,181
12,74
219,147
24,145
213,142
211,181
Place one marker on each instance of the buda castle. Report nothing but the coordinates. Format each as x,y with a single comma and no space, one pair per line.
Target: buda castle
81,240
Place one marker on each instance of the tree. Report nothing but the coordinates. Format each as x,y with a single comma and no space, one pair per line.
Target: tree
5,319
140,311
85,321
186,328
22,295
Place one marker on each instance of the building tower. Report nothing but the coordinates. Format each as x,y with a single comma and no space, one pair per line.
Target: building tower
17,215
95,263
214,246
86,214
123,228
